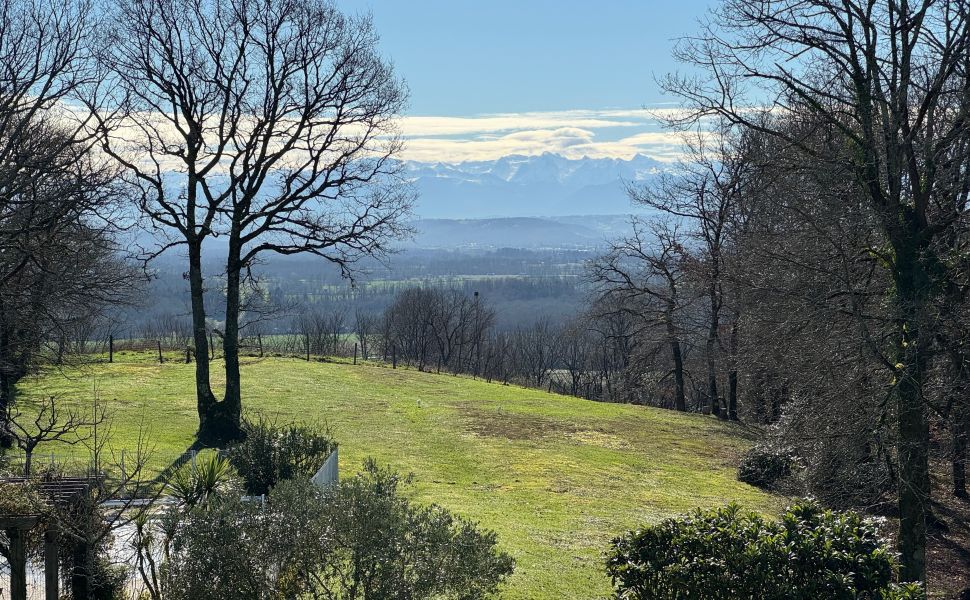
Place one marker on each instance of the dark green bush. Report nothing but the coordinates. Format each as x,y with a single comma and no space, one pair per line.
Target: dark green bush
359,540
764,466
729,554
272,453
109,581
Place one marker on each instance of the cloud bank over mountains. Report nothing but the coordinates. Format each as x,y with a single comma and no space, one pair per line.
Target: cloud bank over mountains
574,134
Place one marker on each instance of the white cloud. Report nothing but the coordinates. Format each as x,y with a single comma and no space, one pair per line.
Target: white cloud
608,133
442,126
574,134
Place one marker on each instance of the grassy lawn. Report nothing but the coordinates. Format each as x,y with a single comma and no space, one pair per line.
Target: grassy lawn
555,476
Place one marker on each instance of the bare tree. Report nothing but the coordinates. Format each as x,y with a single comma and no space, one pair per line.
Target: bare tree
410,320
271,123
334,329
534,352
53,192
702,194
482,321
449,325
365,328
644,274
890,83
51,424
304,325
574,351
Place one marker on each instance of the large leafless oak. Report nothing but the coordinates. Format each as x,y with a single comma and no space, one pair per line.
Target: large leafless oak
266,123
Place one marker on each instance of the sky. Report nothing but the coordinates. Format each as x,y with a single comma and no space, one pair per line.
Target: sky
488,79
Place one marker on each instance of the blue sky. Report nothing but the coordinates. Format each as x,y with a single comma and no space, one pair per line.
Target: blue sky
565,76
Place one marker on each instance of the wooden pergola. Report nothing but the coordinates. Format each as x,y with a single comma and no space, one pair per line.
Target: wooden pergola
56,492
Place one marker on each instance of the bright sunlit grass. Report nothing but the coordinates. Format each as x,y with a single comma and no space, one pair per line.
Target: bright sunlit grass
555,476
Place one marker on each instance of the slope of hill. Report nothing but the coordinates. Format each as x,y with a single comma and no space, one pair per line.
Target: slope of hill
555,476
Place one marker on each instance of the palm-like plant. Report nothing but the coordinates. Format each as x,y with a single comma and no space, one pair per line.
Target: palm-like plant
192,486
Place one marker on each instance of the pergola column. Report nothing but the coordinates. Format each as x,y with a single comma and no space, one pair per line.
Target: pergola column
16,529
51,579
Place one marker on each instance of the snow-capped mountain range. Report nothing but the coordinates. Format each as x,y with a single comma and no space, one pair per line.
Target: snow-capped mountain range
547,185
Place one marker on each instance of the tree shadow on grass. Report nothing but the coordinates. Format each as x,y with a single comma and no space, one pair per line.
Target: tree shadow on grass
182,459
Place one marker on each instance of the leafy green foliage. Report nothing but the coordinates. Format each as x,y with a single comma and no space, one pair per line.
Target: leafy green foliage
271,453
764,466
728,554
359,540
109,581
192,485
20,499
400,550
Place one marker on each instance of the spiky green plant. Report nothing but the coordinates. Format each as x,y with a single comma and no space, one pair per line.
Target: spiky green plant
192,486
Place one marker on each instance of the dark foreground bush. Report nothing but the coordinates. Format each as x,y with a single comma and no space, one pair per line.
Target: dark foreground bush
764,466
728,554
273,453
359,540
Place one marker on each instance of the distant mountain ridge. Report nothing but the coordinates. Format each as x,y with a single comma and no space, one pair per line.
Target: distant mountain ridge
582,231
546,185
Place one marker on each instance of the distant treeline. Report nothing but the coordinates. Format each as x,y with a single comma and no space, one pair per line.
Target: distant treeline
518,283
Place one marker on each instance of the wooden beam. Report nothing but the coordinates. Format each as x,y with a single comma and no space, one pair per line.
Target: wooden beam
17,521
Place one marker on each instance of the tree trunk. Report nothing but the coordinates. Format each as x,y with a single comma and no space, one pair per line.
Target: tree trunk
203,391
226,415
81,572
959,460
732,407
680,395
713,400
6,399
913,427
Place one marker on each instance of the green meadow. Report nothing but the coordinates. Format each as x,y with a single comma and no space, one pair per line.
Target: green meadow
556,477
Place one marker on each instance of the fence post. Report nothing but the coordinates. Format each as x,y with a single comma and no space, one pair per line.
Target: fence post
193,460
160,359
355,353
111,348
124,473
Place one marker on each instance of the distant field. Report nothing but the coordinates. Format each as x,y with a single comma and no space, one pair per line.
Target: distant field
555,476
